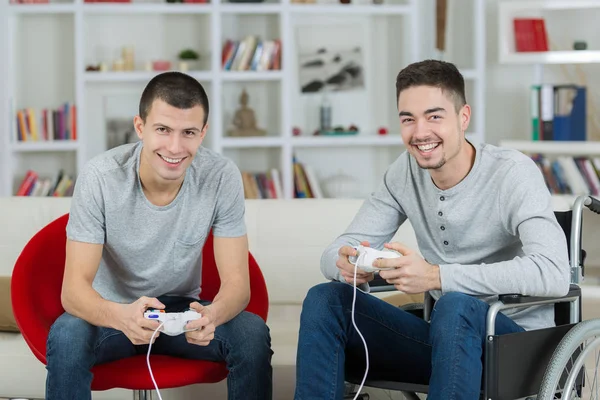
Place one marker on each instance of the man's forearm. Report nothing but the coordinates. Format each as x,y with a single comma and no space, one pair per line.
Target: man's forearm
229,302
87,304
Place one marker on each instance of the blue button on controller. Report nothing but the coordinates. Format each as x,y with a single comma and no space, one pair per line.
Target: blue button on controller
152,316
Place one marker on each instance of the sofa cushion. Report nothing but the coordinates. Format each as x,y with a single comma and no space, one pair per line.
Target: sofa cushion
7,319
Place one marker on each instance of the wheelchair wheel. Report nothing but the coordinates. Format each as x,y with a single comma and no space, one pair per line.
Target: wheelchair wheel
573,369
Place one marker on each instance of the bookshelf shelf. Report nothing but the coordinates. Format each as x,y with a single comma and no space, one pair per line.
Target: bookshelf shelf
23,147
41,8
552,57
158,8
250,8
137,76
352,9
508,10
254,142
554,148
341,141
524,5
248,76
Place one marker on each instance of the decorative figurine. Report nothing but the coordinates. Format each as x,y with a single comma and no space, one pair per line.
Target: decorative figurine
244,120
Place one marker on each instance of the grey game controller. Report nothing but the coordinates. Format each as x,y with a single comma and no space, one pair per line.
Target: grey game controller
173,323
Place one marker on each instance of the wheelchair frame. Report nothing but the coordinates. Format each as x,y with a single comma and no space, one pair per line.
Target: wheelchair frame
503,378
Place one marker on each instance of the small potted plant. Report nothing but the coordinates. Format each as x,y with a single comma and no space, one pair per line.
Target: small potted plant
188,60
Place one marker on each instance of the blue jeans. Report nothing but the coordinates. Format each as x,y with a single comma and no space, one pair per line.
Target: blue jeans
446,354
74,347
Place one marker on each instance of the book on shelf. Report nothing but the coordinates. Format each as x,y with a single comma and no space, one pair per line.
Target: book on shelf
558,112
262,185
306,184
530,34
36,186
33,125
251,54
570,175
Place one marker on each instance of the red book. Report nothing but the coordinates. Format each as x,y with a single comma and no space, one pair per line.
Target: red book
27,183
540,36
524,34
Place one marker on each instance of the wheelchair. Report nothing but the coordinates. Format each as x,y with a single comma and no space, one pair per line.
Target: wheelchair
559,362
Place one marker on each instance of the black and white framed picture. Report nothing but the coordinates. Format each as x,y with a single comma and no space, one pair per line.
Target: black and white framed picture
331,68
330,57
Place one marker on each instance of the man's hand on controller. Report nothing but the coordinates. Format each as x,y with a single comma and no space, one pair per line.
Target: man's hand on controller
203,329
347,268
411,273
132,323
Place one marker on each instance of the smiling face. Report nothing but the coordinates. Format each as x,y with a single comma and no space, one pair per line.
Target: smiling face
432,128
171,137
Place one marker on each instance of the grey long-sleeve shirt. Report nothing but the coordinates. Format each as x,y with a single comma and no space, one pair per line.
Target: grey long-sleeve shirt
493,233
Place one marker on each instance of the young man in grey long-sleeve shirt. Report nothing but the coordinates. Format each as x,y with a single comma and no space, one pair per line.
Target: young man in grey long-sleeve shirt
485,226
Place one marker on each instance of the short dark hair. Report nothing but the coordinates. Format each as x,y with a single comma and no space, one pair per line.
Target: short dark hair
441,74
176,89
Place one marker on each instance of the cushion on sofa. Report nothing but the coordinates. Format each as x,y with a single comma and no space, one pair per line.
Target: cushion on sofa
7,319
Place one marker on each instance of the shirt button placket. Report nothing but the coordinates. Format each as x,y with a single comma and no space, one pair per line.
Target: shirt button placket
442,227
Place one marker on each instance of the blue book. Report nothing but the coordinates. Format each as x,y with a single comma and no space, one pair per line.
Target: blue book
569,122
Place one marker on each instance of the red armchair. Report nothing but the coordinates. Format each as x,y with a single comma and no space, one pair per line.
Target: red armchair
36,287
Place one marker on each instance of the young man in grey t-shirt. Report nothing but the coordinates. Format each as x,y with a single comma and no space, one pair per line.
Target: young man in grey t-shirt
139,218
485,226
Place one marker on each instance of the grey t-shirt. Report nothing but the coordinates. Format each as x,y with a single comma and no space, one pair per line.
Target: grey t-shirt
493,233
151,250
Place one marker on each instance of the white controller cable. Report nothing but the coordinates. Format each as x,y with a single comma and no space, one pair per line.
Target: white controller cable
148,359
359,261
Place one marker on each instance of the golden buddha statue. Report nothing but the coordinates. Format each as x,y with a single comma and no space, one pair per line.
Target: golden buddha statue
244,120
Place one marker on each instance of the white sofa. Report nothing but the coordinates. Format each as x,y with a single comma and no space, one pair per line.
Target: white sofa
286,237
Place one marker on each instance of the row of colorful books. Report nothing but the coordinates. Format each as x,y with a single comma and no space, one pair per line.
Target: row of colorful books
262,185
33,125
251,54
306,185
35,185
570,175
558,112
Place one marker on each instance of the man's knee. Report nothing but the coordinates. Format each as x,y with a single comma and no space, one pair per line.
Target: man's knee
249,337
324,295
70,337
458,308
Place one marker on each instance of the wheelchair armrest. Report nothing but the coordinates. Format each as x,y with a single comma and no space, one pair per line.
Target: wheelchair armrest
574,291
378,284
594,205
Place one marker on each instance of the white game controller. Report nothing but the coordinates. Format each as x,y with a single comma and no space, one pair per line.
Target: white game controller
366,255
173,323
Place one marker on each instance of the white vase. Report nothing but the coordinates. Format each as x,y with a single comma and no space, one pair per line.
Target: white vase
188,65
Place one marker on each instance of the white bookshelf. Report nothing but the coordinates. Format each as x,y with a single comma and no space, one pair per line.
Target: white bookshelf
565,22
574,148
54,146
395,34
553,150
553,57
508,9
349,141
